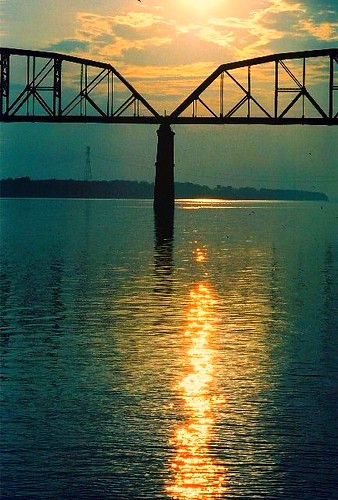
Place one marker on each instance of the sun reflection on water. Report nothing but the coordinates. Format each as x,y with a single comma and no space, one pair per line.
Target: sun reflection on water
197,474
200,255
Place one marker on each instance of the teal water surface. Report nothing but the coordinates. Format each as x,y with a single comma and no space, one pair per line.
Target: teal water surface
197,364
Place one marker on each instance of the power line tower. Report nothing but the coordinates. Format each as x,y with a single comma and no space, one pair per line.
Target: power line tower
88,166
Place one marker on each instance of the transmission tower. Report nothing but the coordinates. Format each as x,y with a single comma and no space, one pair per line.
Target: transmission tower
88,166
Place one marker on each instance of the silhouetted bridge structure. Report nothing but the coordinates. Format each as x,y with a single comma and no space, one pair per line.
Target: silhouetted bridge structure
279,89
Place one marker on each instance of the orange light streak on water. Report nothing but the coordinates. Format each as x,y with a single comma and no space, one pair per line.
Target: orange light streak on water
200,255
197,474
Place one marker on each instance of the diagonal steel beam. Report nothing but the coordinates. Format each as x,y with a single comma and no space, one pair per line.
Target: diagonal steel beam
31,86
277,58
315,104
125,105
237,106
85,90
248,92
207,107
135,93
196,93
58,59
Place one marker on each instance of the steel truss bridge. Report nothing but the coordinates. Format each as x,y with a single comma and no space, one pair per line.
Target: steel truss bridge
279,89
288,88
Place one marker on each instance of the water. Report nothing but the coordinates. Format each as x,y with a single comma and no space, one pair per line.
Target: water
136,365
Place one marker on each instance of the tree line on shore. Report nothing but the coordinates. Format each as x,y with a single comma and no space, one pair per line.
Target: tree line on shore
25,187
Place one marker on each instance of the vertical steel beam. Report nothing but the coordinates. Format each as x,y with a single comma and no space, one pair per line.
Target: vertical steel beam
112,94
249,92
331,83
108,94
81,89
4,91
303,90
28,76
221,95
57,110
276,89
86,89
136,107
31,86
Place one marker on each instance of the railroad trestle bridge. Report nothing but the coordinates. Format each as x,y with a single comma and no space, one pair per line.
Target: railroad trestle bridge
278,89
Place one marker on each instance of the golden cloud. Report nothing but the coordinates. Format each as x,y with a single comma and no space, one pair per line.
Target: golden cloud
323,31
137,19
129,31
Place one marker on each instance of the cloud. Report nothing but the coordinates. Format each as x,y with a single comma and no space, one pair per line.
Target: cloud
68,46
323,31
123,32
137,19
275,24
251,35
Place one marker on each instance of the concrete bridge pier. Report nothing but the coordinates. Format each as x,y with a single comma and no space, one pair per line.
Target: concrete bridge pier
164,192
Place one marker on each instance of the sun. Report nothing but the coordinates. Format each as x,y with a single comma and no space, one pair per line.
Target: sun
199,7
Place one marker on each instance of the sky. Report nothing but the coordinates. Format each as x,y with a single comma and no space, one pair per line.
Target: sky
166,48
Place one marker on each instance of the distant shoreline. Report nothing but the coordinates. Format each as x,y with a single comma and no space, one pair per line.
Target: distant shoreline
25,187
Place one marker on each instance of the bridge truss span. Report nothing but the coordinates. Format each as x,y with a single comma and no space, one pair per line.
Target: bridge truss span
287,88
279,89
52,87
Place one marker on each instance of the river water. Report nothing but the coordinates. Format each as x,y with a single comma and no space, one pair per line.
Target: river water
137,363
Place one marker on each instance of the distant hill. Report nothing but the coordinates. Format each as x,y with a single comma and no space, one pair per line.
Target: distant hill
25,187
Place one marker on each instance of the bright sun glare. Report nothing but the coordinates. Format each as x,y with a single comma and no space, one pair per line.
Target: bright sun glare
201,7
197,474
